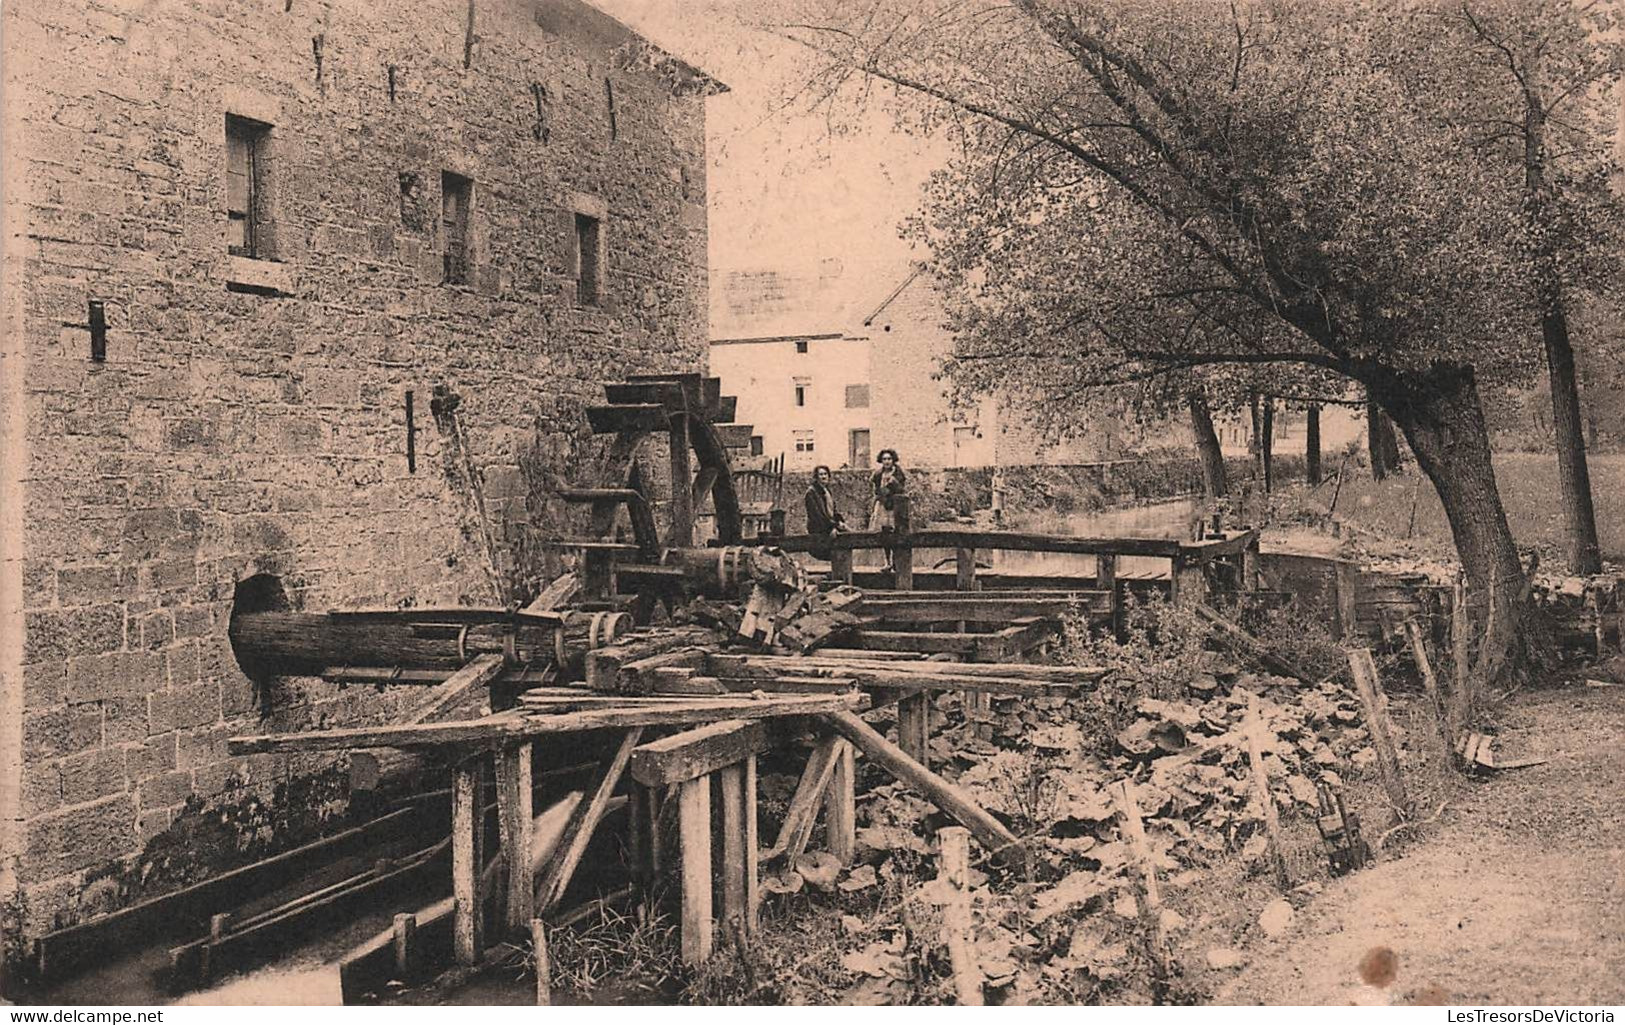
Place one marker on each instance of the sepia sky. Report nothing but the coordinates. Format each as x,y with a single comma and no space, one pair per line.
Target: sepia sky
784,193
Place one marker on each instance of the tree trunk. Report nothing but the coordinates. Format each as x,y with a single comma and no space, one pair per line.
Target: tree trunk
1207,446
1380,442
1439,412
1311,444
1573,476
1266,444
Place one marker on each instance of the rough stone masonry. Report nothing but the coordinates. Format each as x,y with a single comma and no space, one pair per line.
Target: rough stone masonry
239,234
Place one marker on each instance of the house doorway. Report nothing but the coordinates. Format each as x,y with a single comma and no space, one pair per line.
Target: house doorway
857,448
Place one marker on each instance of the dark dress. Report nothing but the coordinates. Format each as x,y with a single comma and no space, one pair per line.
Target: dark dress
822,517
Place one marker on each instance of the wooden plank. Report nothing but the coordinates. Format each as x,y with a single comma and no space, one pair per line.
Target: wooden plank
930,643
840,807
681,457
957,925
1430,683
1133,827
1261,793
983,611
636,677
465,779
732,903
949,797
556,876
694,832
996,540
698,752
480,672
1376,720
1243,643
59,952
640,417
735,435
603,670
544,973
666,394
514,820
802,811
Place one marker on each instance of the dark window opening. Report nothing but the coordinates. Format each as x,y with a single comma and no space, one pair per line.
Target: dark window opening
247,150
589,259
803,386
456,202
804,441
755,444
801,346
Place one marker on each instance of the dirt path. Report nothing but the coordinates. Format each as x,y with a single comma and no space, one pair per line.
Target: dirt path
1517,897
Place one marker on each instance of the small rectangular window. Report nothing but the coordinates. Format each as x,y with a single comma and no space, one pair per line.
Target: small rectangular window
456,208
802,385
589,259
755,444
246,153
804,441
801,346
857,396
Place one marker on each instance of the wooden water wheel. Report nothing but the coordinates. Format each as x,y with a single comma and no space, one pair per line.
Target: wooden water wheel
696,418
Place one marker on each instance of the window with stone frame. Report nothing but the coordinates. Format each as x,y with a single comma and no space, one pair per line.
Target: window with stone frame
589,260
456,212
247,169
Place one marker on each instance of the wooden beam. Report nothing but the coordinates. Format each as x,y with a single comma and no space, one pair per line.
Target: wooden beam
698,752
559,871
840,808
514,821
694,832
996,539
632,418
947,796
802,811
1369,687
914,725
1245,644
495,730
465,870
733,903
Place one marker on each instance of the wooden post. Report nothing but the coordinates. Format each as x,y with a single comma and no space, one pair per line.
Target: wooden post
989,831
732,903
914,726
802,811
840,811
957,924
753,893
405,929
1249,566
465,869
1134,829
840,564
1188,581
514,818
1261,793
903,553
965,569
682,473
544,972
1366,682
1345,585
694,832
1106,572
1430,683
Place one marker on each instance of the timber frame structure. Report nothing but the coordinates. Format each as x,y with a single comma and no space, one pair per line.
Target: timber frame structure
675,714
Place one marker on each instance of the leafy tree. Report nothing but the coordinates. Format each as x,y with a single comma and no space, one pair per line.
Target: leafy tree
1151,190
1533,79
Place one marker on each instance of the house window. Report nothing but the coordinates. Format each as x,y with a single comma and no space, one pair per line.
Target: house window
804,440
755,444
857,450
456,202
803,386
801,346
588,259
857,396
247,150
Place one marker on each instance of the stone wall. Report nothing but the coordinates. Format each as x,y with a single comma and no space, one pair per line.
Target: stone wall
250,415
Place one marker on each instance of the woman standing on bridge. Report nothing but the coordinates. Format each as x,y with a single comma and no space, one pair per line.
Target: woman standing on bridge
889,483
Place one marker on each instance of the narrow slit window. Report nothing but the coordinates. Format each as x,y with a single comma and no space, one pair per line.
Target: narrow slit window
247,146
803,385
456,201
589,260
